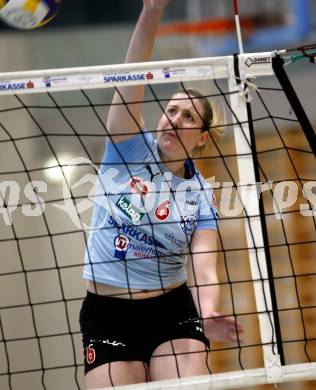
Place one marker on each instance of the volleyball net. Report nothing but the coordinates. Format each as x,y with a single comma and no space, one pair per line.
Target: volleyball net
52,137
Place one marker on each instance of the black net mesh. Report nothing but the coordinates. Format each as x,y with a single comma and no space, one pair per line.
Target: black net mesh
42,244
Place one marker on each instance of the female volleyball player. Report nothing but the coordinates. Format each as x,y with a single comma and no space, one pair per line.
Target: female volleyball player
140,320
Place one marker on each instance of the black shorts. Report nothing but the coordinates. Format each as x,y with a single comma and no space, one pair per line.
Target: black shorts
116,329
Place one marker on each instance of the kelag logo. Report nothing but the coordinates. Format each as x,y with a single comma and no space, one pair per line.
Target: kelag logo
129,210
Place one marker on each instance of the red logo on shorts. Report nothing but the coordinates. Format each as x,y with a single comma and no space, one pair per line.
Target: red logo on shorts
90,355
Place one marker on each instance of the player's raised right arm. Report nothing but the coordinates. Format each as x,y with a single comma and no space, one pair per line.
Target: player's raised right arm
127,119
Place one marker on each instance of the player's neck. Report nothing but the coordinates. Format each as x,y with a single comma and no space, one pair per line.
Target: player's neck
177,167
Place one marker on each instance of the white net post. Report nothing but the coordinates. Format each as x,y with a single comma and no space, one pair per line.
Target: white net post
252,225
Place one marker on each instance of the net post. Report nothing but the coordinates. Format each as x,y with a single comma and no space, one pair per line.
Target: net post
253,223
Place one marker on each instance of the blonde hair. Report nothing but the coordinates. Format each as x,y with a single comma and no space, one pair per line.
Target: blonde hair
213,118
216,128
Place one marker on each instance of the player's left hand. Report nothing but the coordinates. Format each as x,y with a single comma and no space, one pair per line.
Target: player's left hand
222,328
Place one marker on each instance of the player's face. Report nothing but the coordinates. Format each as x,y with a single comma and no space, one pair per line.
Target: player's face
180,128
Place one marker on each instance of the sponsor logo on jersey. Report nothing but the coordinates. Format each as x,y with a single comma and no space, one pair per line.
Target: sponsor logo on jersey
176,241
16,86
145,251
150,171
190,202
121,246
135,233
114,78
138,186
162,211
141,254
129,210
190,207
188,224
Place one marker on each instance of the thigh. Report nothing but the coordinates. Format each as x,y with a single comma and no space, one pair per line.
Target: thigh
179,358
117,374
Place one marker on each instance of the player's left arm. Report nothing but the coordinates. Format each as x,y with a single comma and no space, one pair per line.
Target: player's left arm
204,285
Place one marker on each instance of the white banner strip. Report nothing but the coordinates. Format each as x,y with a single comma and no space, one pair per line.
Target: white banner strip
69,79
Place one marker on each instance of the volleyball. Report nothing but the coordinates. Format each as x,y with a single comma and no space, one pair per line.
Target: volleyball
28,14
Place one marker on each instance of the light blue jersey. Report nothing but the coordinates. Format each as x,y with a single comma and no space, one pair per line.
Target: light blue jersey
144,217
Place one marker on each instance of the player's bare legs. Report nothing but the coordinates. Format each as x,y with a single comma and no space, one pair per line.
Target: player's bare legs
179,358
117,374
